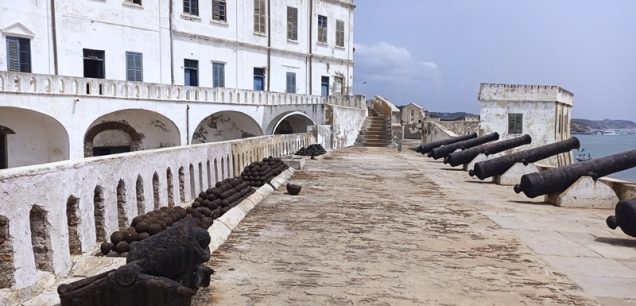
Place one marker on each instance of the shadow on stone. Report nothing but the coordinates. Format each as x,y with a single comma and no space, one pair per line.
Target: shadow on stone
617,241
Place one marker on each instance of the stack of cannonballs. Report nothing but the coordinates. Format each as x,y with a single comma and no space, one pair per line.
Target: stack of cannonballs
312,150
147,225
259,173
216,201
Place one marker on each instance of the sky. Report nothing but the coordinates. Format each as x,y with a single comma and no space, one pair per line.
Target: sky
436,52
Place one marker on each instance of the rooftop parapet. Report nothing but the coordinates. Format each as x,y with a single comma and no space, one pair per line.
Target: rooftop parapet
524,93
44,84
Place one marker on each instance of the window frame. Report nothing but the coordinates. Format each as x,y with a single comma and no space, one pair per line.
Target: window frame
20,43
292,23
290,87
515,123
135,69
322,85
134,2
323,29
260,17
193,7
340,33
262,76
215,81
217,16
189,68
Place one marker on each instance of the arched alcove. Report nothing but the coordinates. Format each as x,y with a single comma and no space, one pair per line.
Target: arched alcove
226,125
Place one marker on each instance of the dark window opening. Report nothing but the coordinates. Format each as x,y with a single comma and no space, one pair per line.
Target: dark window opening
259,79
219,11
322,29
138,2
94,64
18,54
292,23
4,162
191,72
101,151
324,86
191,7
515,123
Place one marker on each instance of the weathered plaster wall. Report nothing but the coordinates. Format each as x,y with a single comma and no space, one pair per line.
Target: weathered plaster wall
433,131
226,125
156,131
461,127
38,138
346,124
323,135
50,186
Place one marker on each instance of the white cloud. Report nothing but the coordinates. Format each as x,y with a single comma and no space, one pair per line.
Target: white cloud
385,64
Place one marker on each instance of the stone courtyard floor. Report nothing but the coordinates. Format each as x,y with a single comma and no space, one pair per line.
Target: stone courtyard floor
377,227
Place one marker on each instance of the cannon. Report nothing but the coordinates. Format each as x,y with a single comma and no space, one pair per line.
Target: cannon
559,179
465,156
466,144
164,269
499,165
624,217
426,148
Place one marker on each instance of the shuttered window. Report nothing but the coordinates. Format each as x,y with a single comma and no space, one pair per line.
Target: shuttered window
191,7
322,29
515,123
340,33
219,10
134,67
291,82
260,17
18,54
218,74
292,23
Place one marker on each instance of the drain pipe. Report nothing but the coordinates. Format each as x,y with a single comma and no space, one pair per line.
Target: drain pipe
171,44
188,124
54,37
269,44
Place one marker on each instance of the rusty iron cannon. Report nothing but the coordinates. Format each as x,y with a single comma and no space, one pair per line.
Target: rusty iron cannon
499,165
557,180
426,148
164,269
443,151
465,156
624,217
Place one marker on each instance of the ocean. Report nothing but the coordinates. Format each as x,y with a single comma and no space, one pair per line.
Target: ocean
603,145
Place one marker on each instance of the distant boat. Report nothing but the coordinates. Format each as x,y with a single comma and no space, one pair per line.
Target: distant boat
583,156
609,133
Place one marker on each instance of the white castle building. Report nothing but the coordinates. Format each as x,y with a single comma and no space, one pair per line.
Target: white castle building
83,78
131,66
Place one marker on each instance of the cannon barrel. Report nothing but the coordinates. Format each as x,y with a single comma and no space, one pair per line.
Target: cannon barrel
559,179
465,156
499,165
426,148
448,149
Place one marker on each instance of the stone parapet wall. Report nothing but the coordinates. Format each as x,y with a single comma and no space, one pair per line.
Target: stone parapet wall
99,193
508,92
433,131
43,84
461,127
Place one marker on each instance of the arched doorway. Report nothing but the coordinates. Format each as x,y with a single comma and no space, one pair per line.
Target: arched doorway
130,130
290,123
29,138
226,125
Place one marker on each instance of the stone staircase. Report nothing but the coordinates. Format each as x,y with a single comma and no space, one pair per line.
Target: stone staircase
376,133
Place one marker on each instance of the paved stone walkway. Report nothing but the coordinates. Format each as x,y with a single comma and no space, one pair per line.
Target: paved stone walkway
375,227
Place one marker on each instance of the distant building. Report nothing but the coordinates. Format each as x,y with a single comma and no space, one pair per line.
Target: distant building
411,113
543,112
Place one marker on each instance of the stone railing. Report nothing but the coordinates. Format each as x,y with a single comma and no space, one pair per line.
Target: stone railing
434,131
51,211
29,83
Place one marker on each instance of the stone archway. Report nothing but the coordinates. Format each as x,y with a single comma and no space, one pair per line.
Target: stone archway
130,130
226,125
110,140
290,123
29,138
